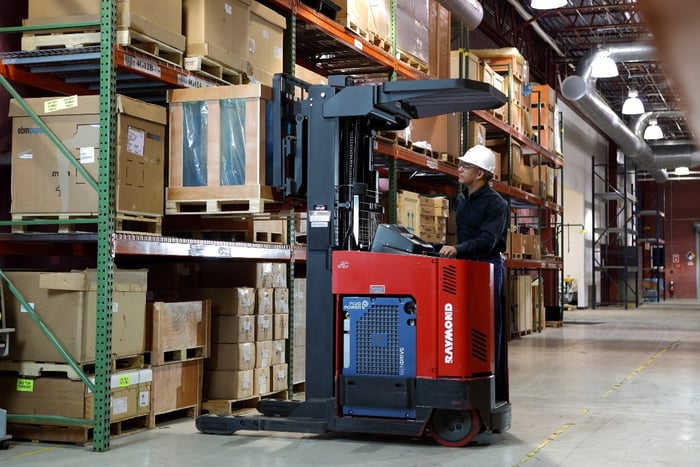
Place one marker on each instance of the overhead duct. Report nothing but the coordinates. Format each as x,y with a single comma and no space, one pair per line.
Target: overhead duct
580,90
469,12
667,155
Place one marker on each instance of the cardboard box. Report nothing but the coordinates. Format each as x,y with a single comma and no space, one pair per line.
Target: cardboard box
176,386
233,329
228,384
354,14
63,397
265,43
379,21
409,210
279,351
279,377
158,19
412,21
432,130
280,326
265,301
67,304
218,29
263,327
263,354
281,300
230,301
227,274
232,357
261,381
218,164
44,181
178,330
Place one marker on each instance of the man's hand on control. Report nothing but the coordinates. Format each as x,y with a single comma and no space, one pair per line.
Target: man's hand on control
448,251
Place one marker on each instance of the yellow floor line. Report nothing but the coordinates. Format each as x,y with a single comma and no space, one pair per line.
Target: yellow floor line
641,368
34,453
549,439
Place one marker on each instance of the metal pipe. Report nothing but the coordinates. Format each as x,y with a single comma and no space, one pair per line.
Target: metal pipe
469,12
580,90
540,32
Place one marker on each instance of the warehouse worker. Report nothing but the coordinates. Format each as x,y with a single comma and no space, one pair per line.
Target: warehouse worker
482,217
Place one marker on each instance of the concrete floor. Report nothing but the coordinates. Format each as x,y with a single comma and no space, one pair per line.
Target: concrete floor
612,387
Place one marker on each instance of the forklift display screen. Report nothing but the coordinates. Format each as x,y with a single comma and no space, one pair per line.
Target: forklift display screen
391,238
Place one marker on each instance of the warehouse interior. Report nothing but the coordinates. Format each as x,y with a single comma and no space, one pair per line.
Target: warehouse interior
602,281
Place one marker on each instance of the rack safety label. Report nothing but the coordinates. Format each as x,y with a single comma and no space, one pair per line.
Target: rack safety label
25,385
62,103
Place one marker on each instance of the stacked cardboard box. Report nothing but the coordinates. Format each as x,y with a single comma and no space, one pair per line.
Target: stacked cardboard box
434,212
542,111
249,330
41,382
513,72
299,332
178,340
159,20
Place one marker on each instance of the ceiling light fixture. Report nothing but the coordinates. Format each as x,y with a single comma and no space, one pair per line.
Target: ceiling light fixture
633,104
547,4
653,131
679,171
603,66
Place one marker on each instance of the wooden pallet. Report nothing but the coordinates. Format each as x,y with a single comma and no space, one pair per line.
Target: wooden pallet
177,355
239,406
125,37
351,26
412,61
554,324
123,223
156,419
446,158
36,369
380,41
210,68
80,435
230,199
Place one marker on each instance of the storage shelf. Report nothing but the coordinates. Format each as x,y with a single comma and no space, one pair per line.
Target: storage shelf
318,36
76,71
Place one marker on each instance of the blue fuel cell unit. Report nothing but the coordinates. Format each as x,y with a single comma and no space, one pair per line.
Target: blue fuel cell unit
379,340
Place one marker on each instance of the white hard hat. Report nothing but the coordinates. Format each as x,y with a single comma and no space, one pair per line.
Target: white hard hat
480,156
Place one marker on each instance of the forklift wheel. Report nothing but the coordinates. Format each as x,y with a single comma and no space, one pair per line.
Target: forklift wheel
454,428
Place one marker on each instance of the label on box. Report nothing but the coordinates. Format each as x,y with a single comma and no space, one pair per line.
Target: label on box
124,381
87,155
120,405
25,385
25,155
228,8
136,139
22,309
54,105
144,398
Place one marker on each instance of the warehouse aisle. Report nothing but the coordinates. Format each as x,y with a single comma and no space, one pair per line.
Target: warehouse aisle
612,387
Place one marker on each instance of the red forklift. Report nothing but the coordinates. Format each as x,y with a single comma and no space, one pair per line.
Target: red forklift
399,341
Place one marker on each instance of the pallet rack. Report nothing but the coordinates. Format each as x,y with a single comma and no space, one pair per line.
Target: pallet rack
110,68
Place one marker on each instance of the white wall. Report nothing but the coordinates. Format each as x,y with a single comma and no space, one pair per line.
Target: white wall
581,143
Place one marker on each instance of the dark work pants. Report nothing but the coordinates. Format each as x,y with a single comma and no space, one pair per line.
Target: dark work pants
499,331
